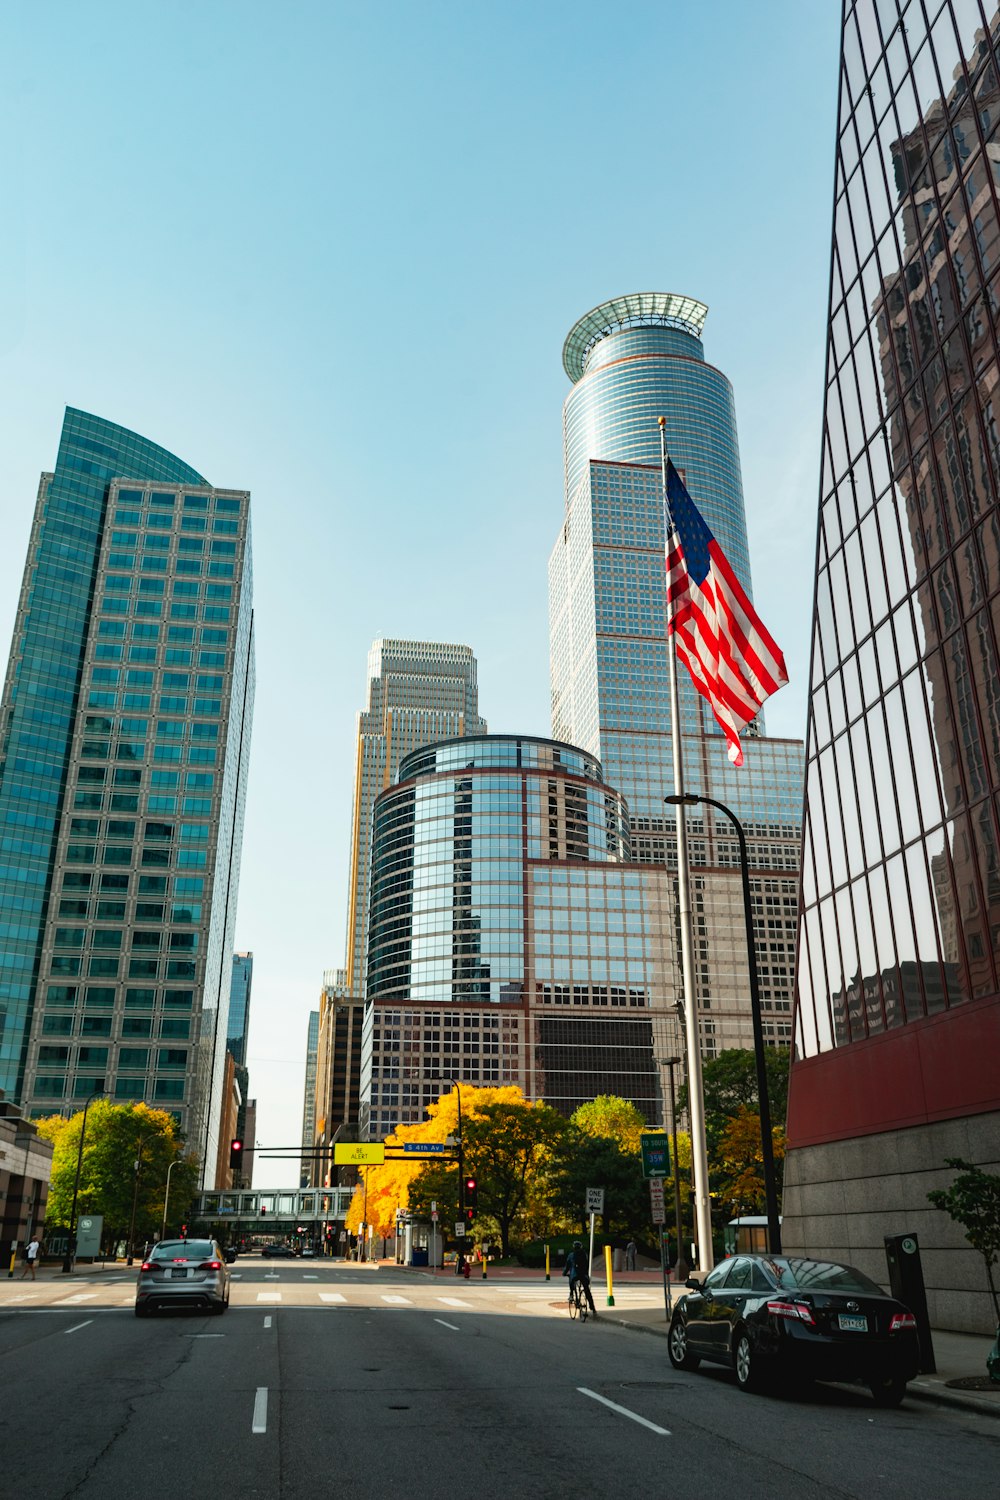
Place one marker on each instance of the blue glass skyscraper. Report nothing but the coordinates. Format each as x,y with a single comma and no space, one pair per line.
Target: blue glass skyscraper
633,360
124,736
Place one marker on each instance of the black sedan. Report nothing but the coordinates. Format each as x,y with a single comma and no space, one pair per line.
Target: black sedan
773,1316
284,1252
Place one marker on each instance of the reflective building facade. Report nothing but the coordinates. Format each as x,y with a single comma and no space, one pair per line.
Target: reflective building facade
898,1012
509,940
418,691
124,739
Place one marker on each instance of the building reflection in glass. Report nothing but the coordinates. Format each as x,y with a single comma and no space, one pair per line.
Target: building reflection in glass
901,881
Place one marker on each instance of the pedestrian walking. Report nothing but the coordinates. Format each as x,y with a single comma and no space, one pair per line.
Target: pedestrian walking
630,1252
31,1257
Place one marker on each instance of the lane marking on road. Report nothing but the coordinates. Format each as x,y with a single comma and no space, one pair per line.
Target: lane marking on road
268,1296
310,1278
454,1302
79,1326
79,1297
267,1322
20,1297
332,1297
396,1301
206,1335
623,1411
453,1326
271,1276
260,1410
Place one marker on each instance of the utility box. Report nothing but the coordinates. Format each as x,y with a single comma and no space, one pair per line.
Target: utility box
906,1282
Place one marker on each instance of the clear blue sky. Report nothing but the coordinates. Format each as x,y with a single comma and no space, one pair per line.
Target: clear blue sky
329,253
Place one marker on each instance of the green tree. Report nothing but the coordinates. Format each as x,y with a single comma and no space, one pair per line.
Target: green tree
730,1083
600,1161
973,1200
612,1118
108,1178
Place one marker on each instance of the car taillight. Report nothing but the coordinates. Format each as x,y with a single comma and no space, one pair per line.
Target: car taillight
210,1265
792,1310
147,1265
902,1320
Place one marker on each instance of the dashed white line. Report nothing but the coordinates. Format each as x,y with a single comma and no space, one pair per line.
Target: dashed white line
310,1278
260,1410
623,1411
453,1326
78,1326
267,1322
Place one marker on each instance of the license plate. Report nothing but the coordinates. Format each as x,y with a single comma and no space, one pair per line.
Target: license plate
178,1272
852,1323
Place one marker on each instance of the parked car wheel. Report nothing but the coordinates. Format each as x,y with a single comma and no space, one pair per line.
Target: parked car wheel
888,1391
142,1312
748,1373
677,1347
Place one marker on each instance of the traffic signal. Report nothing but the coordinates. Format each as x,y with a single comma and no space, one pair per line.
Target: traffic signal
236,1153
471,1191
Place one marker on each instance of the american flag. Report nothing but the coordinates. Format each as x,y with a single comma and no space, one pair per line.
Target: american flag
719,636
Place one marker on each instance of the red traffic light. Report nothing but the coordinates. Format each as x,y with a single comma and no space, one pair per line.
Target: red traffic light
470,1184
235,1152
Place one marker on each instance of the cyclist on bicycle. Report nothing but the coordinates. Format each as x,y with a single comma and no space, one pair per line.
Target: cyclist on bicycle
577,1269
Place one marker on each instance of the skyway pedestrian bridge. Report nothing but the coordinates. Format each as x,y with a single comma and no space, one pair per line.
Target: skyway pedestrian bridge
280,1208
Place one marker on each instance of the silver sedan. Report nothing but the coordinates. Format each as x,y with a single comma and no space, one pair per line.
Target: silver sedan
183,1273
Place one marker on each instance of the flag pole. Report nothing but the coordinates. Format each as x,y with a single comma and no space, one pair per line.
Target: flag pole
696,1097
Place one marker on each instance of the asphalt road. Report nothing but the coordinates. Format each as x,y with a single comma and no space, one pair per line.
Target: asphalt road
329,1380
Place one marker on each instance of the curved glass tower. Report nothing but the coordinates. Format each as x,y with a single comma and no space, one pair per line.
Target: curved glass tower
640,357
510,940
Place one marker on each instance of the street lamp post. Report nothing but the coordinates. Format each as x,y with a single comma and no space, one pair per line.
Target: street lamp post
766,1138
460,1254
166,1197
67,1264
135,1199
681,1268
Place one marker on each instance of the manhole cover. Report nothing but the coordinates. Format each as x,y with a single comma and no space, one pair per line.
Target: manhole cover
974,1383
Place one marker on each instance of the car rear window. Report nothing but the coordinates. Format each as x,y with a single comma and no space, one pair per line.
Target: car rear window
183,1250
822,1276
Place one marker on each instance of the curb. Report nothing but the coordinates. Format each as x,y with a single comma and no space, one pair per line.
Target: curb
934,1395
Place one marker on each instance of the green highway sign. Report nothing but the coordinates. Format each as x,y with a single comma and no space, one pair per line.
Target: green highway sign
655,1148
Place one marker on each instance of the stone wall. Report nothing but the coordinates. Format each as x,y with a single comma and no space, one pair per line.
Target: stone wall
840,1200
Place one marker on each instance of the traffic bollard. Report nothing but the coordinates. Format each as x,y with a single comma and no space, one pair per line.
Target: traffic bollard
607,1272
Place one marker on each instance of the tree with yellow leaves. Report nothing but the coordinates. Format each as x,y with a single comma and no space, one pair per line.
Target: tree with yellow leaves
388,1187
739,1161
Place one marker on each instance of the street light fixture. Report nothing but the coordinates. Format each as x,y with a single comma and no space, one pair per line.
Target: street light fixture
766,1139
67,1264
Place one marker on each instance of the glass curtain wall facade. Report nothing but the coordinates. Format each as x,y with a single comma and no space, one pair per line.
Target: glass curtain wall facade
508,942
632,360
239,1007
309,1099
898,1011
124,738
418,692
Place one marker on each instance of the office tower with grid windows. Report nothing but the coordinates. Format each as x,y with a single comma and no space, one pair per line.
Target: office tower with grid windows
338,1074
898,992
309,1100
124,741
631,361
418,691
239,1007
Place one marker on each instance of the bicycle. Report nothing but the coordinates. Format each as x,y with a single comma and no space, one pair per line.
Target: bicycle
578,1305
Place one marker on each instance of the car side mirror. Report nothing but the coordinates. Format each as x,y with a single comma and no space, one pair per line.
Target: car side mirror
693,1283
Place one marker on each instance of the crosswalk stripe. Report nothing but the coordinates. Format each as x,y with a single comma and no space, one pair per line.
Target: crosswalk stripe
332,1297
79,1297
397,1301
268,1296
454,1302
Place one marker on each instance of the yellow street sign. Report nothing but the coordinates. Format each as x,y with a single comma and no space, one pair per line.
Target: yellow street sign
359,1154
